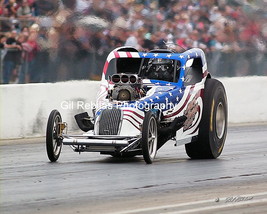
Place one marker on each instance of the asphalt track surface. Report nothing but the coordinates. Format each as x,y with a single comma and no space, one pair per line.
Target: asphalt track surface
92,183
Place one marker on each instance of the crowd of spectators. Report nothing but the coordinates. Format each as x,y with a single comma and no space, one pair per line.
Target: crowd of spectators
69,39
18,8
18,42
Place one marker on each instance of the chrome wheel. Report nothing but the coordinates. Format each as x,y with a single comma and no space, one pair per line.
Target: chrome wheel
149,138
152,137
56,144
220,120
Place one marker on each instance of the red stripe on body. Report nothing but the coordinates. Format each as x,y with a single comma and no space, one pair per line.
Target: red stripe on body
197,96
127,115
131,123
116,54
129,54
105,67
138,115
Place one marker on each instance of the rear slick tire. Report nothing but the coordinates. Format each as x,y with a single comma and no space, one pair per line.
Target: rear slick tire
213,126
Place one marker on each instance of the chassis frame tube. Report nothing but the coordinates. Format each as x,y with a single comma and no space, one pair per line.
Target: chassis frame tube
94,142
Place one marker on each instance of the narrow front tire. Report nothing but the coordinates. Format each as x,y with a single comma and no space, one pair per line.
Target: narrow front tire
53,140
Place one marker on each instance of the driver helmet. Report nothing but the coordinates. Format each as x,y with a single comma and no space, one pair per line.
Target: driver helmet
161,69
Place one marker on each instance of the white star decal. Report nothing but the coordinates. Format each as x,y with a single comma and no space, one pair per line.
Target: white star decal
170,94
145,103
157,83
182,78
180,90
157,97
168,84
169,55
183,67
155,55
151,100
188,56
160,92
181,56
166,98
177,98
145,54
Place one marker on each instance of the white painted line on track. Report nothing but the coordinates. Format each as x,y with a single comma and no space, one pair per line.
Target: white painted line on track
225,205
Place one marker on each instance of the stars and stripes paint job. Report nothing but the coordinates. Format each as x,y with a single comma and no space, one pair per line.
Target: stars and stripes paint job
132,121
182,57
175,96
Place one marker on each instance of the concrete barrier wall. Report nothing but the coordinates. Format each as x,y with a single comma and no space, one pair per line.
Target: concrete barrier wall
247,99
24,109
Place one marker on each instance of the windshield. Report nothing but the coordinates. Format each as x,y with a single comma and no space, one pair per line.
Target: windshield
160,69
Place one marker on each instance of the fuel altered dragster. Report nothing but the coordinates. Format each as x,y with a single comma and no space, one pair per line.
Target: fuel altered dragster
146,99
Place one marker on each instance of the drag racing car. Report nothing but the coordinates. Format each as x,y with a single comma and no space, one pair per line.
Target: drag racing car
145,100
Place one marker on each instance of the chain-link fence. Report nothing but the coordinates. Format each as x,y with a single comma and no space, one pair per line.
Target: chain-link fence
8,24
47,68
247,63
69,41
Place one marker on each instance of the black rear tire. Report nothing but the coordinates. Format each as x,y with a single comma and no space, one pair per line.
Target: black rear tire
149,137
53,142
213,125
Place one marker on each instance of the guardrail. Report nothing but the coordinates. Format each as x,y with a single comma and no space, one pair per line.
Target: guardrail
25,108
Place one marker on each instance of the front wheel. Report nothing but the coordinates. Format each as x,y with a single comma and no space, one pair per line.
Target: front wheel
213,126
53,141
149,137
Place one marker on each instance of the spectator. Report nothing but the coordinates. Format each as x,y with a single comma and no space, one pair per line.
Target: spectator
2,42
24,11
132,40
10,59
6,24
25,30
34,7
30,48
12,7
16,75
147,44
42,58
